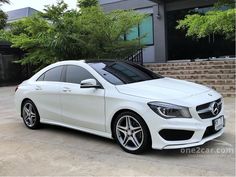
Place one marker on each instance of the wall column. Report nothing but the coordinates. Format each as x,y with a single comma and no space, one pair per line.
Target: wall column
160,39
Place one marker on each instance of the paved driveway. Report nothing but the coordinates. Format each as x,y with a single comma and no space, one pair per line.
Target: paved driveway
60,151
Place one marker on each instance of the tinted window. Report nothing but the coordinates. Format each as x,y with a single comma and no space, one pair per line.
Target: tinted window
144,31
76,74
53,74
41,78
119,73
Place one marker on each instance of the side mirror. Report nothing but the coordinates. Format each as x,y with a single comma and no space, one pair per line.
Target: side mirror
89,83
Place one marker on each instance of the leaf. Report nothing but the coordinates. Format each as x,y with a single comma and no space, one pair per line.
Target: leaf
216,21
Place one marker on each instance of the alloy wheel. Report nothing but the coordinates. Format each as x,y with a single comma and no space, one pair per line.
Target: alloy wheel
129,133
29,115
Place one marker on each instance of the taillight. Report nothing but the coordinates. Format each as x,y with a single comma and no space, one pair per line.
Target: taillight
16,88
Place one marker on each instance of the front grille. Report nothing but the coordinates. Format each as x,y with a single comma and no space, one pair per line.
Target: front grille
206,111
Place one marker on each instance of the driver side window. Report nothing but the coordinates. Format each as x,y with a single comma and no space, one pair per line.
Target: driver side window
75,74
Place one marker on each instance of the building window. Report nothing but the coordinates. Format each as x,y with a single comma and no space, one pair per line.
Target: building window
144,30
134,34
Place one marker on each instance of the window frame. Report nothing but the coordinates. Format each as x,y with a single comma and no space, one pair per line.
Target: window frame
153,38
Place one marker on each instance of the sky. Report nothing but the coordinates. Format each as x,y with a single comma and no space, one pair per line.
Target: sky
36,4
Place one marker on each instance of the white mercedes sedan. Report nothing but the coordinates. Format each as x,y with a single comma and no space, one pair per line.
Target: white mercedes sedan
124,101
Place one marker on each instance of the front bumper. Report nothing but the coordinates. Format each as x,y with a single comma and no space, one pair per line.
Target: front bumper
195,124
203,141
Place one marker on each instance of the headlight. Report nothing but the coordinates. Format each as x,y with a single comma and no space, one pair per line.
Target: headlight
169,111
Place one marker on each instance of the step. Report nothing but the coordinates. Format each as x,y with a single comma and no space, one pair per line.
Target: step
189,64
223,88
219,75
188,72
212,82
228,94
200,67
224,62
204,76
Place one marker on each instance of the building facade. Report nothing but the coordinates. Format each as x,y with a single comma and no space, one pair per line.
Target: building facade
17,14
163,41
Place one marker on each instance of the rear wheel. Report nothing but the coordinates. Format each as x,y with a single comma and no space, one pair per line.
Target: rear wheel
30,115
131,133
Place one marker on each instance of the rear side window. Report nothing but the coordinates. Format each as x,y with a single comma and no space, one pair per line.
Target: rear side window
75,74
53,75
41,78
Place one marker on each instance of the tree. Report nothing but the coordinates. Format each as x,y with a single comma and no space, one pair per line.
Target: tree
62,34
87,3
3,16
220,20
3,19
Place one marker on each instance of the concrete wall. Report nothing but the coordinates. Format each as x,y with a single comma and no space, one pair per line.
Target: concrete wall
160,33
125,4
15,15
108,1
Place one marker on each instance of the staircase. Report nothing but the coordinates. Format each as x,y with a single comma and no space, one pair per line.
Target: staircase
219,75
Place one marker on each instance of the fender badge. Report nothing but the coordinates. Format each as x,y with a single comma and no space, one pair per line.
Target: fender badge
209,94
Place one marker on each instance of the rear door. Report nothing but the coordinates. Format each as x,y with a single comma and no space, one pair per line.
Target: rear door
46,95
82,107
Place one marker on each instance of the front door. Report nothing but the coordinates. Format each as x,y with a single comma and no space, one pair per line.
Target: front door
81,107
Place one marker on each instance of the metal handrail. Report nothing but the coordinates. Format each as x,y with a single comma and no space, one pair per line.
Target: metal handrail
137,57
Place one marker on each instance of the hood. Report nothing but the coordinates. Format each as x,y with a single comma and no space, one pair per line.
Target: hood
165,88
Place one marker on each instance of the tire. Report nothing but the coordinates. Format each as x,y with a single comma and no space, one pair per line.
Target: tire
131,133
30,115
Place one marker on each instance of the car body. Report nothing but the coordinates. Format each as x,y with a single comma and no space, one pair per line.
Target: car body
176,113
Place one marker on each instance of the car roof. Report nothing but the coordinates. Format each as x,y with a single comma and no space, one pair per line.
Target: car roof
88,61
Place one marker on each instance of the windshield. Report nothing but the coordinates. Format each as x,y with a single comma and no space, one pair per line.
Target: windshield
119,73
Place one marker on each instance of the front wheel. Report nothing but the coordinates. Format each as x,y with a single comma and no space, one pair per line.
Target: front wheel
30,115
131,133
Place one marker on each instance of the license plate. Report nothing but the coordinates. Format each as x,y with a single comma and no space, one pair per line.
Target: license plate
218,123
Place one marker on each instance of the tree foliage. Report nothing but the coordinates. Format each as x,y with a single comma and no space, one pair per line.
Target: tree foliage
3,19
62,34
87,3
220,20
3,16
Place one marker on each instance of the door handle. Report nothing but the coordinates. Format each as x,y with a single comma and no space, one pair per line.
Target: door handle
38,87
66,89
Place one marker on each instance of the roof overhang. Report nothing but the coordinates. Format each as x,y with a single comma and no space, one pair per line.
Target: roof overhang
156,1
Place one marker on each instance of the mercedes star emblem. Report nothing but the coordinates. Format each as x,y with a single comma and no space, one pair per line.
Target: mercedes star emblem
215,108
